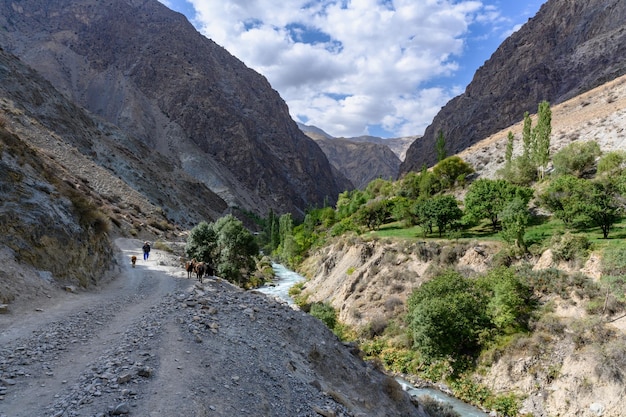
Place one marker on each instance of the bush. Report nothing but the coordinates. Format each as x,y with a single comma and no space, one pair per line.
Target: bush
612,364
577,159
614,261
446,317
569,247
435,408
324,312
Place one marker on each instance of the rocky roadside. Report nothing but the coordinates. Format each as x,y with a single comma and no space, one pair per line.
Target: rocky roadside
154,343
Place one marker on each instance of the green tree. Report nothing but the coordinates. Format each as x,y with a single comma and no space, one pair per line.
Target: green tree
541,135
577,158
443,211
421,214
428,183
374,214
603,207
236,248
509,300
485,199
408,186
285,227
440,147
515,218
380,188
527,138
452,171
446,317
578,201
349,202
401,210
564,198
202,243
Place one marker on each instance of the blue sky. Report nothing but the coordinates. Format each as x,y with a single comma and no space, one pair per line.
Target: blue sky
361,67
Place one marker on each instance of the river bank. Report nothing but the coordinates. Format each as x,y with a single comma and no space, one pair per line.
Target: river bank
286,278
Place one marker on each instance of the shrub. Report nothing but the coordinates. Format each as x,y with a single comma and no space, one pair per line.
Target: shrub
435,408
569,247
612,363
612,163
577,158
506,405
614,261
324,312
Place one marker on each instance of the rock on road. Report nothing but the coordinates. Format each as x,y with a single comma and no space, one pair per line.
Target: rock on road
151,342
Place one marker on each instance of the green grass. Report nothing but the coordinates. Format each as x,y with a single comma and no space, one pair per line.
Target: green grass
539,232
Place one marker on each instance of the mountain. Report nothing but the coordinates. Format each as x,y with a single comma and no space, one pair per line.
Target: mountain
569,47
67,180
364,158
399,146
145,69
361,162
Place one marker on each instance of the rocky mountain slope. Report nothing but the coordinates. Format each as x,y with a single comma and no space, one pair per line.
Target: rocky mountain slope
569,47
145,69
364,158
67,180
597,115
361,162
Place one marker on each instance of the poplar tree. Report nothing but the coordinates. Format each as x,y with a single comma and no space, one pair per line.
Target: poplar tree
440,147
541,135
508,153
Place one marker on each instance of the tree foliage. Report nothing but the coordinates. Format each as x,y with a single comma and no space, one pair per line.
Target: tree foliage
452,171
202,243
486,199
440,147
577,159
515,218
446,317
374,213
452,317
226,245
612,163
541,136
582,202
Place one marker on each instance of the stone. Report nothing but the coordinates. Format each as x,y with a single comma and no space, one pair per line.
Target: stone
124,378
145,372
120,409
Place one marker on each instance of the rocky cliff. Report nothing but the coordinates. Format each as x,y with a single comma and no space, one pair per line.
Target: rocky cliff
146,69
68,181
569,47
361,162
364,158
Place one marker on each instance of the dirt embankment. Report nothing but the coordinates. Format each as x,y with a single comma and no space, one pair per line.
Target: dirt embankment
570,365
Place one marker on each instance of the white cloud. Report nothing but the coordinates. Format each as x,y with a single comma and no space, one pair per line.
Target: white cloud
370,64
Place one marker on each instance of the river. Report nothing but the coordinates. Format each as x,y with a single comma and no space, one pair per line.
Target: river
286,278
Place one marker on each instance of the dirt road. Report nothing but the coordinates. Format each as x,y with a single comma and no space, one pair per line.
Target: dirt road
153,343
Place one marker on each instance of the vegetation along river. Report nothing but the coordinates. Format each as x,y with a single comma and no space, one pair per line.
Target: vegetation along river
286,278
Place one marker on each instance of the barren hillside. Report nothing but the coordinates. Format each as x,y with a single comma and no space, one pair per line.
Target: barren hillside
599,114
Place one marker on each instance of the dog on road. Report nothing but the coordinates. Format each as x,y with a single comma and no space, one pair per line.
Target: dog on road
133,260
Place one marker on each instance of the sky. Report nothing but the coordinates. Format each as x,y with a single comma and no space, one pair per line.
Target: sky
361,67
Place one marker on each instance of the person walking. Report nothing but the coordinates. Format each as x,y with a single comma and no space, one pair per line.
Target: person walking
146,251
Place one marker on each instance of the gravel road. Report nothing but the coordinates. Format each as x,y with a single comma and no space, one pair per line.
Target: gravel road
153,343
